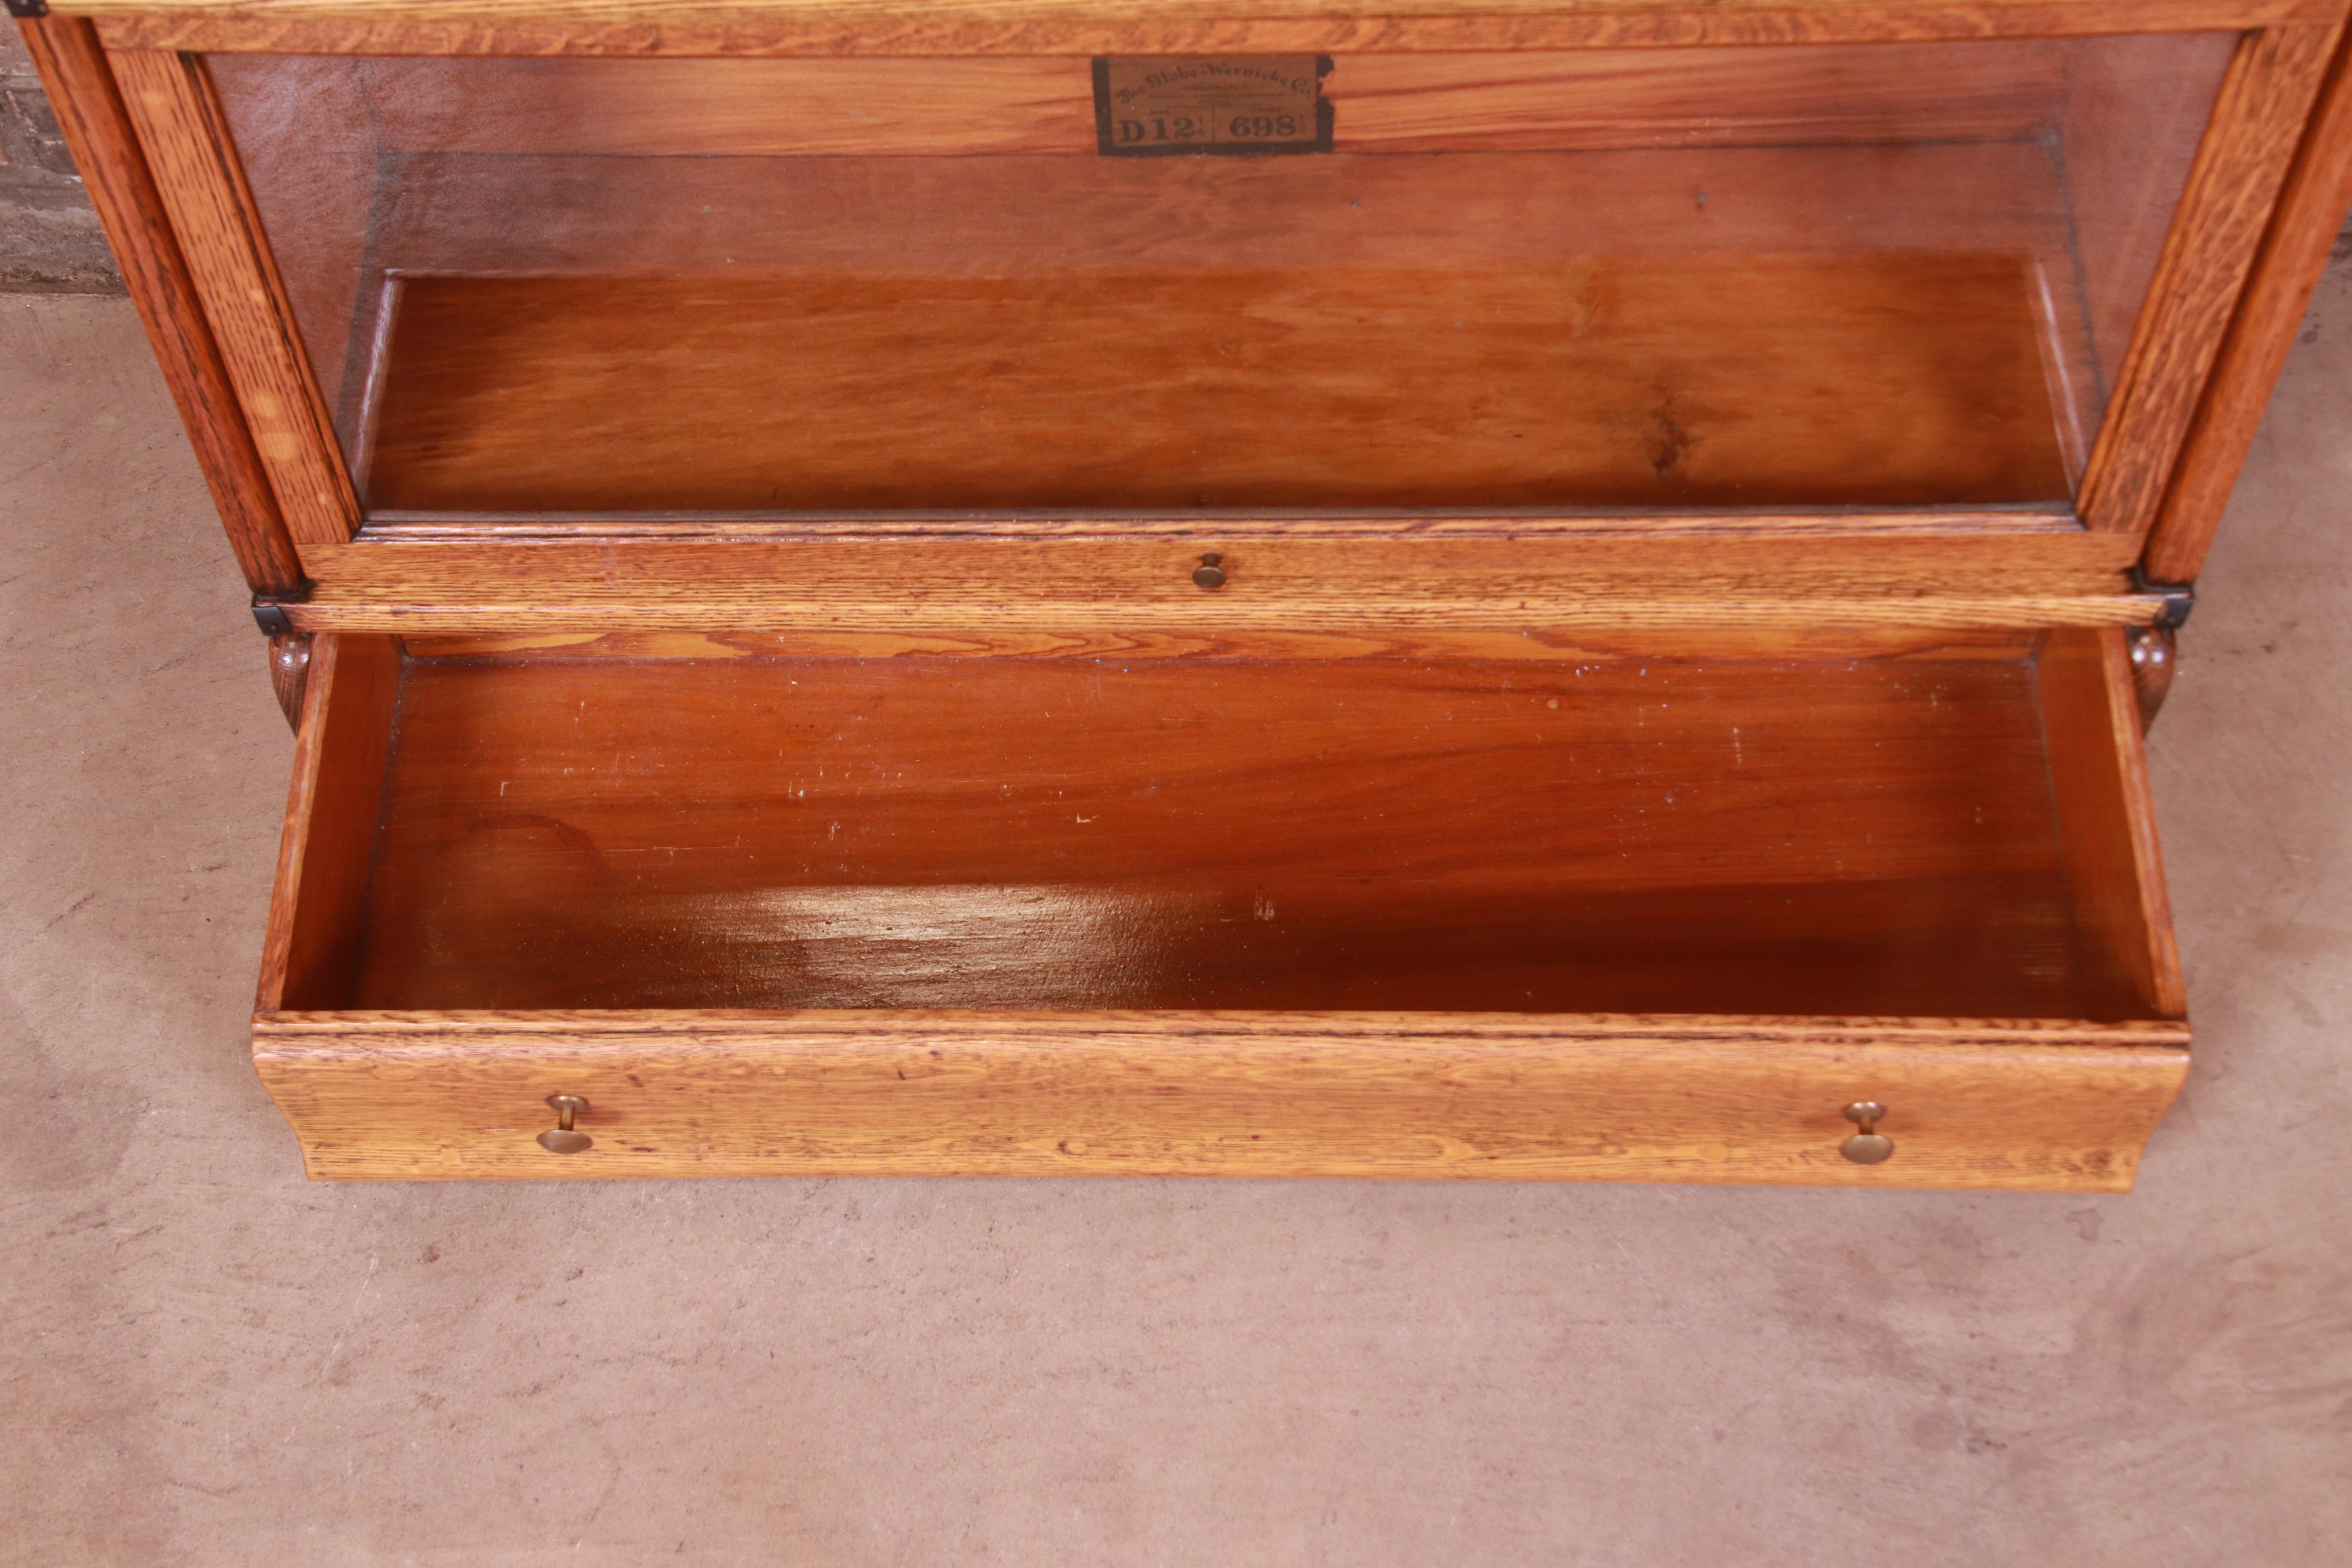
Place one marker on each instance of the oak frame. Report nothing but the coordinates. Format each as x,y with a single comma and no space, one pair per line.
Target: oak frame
114,170
1541,587
2195,352
2303,226
834,27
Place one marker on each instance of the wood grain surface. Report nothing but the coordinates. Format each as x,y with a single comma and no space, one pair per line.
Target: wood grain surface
2000,90
963,28
187,141
1626,833
2257,125
306,143
921,273
1601,381
1729,641
1372,594
122,187
423,1096
2194,283
1996,528
1272,913
319,906
2304,228
2107,817
1608,836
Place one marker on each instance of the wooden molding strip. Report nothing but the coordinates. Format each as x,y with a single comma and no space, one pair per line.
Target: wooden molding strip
965,27
1474,629
179,120
1385,588
622,1025
2293,254
2256,127
405,528
123,189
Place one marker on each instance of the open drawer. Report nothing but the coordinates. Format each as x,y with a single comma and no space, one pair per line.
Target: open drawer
1655,911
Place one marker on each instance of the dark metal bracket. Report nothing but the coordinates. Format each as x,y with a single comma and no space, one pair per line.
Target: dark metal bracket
270,611
2179,598
28,8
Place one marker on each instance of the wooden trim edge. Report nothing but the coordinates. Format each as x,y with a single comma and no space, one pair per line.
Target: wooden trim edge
2243,161
170,101
777,28
908,1095
2286,273
122,187
310,746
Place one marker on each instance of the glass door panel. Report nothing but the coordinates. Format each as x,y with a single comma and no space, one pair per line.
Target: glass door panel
1883,276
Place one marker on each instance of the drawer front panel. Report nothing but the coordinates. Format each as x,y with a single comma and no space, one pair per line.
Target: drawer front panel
394,1097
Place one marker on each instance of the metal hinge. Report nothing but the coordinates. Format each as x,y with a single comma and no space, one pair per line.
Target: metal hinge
28,7
269,611
2179,598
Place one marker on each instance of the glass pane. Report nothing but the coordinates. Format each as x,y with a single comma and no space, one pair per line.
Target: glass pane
1881,275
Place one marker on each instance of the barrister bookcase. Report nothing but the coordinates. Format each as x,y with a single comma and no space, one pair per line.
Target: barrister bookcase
1524,589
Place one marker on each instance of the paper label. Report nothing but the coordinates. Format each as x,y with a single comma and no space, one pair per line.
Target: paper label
1179,105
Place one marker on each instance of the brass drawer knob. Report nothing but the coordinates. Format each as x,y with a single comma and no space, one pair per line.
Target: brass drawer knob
1869,1146
563,1138
1210,572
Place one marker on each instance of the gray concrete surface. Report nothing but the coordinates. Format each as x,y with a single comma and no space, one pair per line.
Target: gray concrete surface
208,1362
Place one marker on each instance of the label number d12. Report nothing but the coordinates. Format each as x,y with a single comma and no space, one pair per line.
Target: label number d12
1180,127
1162,128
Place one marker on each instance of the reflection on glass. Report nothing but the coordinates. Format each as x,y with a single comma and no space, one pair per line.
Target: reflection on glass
1885,275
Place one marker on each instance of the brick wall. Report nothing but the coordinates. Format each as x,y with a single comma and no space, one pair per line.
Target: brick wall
49,240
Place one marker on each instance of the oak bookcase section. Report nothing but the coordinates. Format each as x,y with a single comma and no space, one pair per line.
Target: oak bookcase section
1890,275
1576,598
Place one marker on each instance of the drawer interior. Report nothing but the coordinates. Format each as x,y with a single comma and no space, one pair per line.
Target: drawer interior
1958,832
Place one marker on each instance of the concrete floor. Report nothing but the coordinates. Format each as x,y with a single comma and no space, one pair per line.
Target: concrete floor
208,1361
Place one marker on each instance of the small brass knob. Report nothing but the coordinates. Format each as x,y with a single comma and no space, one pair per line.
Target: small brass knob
1869,1146
563,1138
1210,572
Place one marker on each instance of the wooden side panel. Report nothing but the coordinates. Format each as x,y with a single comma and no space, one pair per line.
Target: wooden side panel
123,189
310,951
2098,770
170,100
420,1096
2310,213
826,28
2257,126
